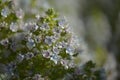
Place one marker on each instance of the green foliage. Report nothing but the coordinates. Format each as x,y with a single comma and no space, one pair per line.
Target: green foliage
87,72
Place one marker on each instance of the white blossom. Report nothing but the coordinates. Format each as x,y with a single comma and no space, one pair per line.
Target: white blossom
30,44
5,12
13,27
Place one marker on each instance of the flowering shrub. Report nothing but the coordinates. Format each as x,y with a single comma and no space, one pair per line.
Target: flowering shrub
42,49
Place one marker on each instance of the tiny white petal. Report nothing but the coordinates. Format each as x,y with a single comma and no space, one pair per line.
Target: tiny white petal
70,50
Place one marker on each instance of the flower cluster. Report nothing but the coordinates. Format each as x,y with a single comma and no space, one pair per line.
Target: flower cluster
46,38
34,50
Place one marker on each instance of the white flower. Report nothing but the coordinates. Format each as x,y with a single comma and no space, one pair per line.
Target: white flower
30,44
5,12
64,63
37,39
19,13
46,53
4,42
62,44
70,50
57,30
44,27
29,55
48,40
30,27
55,58
13,27
20,57
10,67
62,23
56,50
